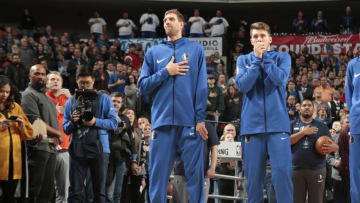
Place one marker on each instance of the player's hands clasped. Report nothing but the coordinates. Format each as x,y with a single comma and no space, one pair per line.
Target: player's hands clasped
177,68
259,49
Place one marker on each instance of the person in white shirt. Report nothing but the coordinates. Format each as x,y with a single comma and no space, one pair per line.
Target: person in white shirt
218,25
197,24
97,25
149,21
125,26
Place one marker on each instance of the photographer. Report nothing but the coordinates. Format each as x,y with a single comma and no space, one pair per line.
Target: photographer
88,116
123,152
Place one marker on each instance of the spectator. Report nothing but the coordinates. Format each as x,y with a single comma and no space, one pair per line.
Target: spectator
59,96
215,103
97,26
134,57
12,132
27,23
73,66
348,22
323,117
300,24
335,106
290,105
222,82
197,24
123,152
326,90
17,73
26,54
291,90
149,21
305,90
180,194
219,25
42,156
334,61
49,34
341,184
309,166
101,77
125,26
131,93
117,80
90,135
142,120
319,24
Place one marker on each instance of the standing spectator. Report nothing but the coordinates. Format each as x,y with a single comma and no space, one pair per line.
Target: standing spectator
219,25
27,23
27,55
348,22
73,66
180,195
149,21
89,149
49,34
309,166
305,90
97,26
341,182
327,92
300,24
261,77
197,24
125,26
335,106
11,134
101,77
233,105
291,90
42,156
215,103
17,73
131,93
59,96
134,57
352,101
290,105
334,61
319,24
117,81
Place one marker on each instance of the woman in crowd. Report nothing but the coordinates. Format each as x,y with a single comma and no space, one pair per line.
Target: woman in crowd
14,127
233,103
131,93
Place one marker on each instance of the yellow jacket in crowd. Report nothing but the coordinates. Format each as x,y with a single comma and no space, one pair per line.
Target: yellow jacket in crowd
17,135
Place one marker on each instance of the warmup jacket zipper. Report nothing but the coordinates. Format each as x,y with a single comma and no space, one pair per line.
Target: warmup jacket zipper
263,79
173,92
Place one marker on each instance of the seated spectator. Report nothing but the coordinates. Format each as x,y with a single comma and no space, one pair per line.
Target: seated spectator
326,90
319,24
222,83
134,57
305,90
348,22
291,90
210,65
12,131
149,21
334,61
16,73
299,24
219,25
290,105
197,24
126,26
233,105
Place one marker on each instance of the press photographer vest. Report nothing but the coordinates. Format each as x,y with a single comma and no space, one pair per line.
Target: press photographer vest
89,145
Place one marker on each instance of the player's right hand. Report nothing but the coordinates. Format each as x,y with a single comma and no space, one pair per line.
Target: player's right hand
259,49
310,130
177,68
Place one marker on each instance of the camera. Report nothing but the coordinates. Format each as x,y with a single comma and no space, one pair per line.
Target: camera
84,107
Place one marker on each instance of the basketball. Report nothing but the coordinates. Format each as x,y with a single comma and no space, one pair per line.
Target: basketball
319,143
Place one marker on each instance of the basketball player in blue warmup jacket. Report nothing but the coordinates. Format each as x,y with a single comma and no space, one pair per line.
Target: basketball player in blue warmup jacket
174,73
261,77
352,93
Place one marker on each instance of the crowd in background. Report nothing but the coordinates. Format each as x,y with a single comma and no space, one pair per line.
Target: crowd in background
318,78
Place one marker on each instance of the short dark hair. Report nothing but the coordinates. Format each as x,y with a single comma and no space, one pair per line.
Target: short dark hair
83,71
177,13
117,94
308,101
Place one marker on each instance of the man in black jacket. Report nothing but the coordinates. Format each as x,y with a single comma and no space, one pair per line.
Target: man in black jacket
74,64
16,72
305,90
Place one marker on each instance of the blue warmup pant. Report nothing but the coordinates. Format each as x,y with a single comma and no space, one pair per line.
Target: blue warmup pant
354,164
164,143
256,149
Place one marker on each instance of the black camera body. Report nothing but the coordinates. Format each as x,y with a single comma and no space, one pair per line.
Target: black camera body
84,107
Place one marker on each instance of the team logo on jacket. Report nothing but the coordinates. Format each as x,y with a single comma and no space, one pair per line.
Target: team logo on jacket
186,57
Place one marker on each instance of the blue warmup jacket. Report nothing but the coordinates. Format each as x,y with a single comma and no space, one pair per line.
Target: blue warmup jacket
263,84
352,94
177,100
